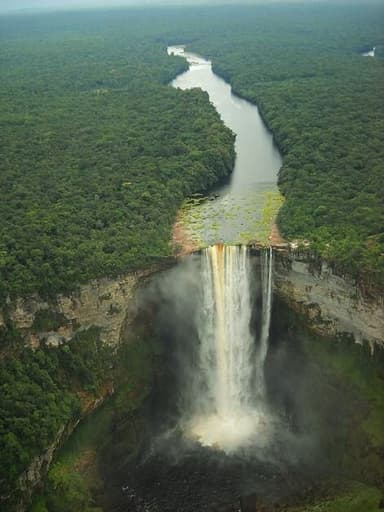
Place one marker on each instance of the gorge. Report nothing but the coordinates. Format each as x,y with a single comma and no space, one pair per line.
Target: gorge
235,424
249,398
239,417
230,418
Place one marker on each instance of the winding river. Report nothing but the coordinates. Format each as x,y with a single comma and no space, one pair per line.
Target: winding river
242,209
222,430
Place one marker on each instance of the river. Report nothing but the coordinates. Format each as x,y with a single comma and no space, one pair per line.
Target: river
245,413
242,209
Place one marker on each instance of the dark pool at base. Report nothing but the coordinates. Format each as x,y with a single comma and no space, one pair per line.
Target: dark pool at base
202,479
172,473
316,411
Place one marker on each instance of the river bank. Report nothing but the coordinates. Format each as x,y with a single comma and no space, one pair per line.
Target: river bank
243,207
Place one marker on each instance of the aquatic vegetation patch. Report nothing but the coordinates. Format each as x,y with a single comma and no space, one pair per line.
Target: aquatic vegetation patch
237,217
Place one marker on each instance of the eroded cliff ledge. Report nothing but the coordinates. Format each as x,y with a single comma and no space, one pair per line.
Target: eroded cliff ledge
332,304
107,304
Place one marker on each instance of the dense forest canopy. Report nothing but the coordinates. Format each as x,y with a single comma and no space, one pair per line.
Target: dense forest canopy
303,67
324,103
98,151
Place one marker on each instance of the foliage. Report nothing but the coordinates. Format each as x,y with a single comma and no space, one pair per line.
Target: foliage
10,337
76,477
68,490
302,66
273,203
97,151
98,154
39,505
360,371
135,371
356,498
38,396
339,399
47,320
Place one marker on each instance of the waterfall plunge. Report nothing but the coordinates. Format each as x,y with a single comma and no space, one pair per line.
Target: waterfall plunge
266,283
229,392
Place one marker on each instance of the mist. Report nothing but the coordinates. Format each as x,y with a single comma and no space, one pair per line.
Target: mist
283,424
288,447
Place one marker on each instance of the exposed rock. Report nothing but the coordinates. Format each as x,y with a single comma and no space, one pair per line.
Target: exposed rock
104,303
182,242
108,304
333,304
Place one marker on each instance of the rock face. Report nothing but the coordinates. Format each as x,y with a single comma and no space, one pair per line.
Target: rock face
107,304
332,304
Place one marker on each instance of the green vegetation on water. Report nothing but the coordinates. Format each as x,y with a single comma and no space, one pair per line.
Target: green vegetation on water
302,66
235,218
98,154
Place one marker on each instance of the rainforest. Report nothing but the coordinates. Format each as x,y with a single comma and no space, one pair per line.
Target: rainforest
192,258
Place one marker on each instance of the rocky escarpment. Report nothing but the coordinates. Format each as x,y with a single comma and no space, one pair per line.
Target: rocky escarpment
107,304
332,304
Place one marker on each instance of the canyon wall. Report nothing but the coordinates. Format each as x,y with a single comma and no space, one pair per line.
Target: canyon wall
32,477
332,304
107,304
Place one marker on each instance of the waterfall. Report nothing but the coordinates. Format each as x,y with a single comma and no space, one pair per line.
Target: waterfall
226,404
266,281
226,341
266,284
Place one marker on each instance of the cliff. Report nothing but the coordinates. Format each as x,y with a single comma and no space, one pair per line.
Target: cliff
332,304
107,304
